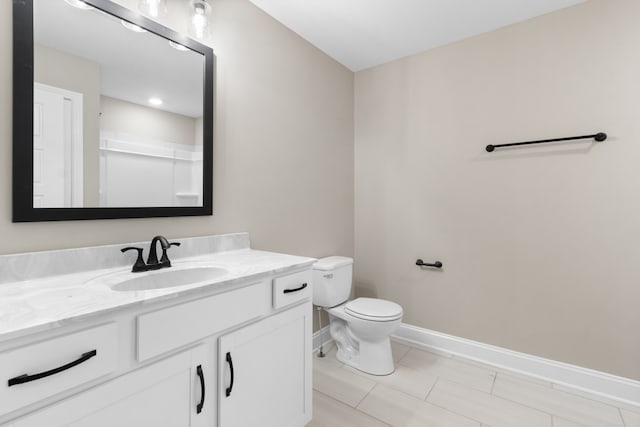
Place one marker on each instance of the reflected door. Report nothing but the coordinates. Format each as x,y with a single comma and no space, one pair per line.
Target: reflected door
48,149
57,147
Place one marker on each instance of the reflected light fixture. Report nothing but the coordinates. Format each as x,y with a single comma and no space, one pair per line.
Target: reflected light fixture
79,4
199,26
132,27
155,101
178,46
153,8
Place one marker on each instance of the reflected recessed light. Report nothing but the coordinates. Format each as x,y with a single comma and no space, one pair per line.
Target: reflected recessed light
133,27
155,101
178,46
79,4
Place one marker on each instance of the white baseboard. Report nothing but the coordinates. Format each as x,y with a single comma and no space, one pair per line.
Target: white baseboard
599,383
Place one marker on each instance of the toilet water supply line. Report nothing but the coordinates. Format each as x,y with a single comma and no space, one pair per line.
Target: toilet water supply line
321,353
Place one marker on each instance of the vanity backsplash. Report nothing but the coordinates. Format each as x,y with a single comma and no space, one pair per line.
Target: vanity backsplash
36,265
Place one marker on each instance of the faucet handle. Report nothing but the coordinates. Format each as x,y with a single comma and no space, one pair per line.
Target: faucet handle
139,264
165,259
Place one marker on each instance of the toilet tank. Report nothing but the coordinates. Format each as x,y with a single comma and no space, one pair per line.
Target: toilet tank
332,280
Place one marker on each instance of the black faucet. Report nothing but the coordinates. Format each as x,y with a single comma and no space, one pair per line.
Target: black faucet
139,265
152,260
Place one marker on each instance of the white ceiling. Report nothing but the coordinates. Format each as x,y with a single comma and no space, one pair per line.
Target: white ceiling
134,66
364,33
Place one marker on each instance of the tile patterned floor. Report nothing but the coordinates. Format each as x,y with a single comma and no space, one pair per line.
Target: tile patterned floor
439,390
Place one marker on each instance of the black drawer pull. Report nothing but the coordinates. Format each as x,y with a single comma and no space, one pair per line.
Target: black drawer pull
28,378
230,362
288,291
201,376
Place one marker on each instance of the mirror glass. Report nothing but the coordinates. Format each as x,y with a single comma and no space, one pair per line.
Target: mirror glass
122,115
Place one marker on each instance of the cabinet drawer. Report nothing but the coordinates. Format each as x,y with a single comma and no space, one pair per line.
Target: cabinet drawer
173,327
163,394
292,288
56,365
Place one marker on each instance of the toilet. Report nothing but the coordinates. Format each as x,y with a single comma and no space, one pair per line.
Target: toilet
361,327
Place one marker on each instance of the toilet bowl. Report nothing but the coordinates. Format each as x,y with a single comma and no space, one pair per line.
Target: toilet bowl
361,327
362,336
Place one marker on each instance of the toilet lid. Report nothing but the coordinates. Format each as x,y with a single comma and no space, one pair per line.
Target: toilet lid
374,309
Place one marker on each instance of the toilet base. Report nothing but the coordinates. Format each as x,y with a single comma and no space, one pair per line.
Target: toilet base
374,358
362,344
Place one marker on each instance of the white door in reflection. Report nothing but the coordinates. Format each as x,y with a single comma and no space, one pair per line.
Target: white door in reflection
57,147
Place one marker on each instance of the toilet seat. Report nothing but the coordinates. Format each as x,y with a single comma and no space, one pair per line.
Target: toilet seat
374,309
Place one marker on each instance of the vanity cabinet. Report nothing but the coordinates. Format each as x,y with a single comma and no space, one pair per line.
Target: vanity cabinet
240,357
169,328
165,394
264,371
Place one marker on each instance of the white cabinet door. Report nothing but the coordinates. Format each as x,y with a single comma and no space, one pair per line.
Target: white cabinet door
265,372
164,394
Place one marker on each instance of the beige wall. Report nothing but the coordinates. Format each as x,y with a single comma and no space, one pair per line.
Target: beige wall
283,148
59,69
123,116
539,245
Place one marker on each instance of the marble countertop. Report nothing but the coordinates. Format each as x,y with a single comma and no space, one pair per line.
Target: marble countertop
39,304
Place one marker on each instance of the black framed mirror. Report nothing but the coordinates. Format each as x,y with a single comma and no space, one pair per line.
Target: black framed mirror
112,115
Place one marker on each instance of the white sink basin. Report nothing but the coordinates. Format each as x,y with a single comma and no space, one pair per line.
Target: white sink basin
164,278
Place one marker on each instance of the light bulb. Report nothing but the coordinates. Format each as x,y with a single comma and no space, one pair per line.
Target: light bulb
199,23
153,8
199,20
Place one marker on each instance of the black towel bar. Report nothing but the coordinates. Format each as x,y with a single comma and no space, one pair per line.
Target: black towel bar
597,136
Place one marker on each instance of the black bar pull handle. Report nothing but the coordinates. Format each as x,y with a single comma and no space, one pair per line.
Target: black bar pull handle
421,263
28,378
230,362
288,291
201,376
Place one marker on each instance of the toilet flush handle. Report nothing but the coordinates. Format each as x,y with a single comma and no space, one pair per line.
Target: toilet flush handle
328,276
